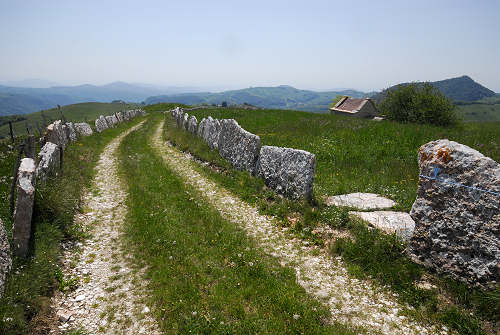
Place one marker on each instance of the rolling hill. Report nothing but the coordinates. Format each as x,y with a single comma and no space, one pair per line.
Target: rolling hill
280,97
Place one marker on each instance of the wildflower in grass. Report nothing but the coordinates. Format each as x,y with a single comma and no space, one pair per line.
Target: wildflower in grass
250,263
296,316
195,313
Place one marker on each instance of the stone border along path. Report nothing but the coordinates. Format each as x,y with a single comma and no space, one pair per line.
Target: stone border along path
107,300
351,301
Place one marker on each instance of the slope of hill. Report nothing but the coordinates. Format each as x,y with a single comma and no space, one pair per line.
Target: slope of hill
76,113
457,89
23,100
285,97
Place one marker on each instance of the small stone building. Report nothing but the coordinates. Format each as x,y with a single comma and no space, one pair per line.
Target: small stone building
355,107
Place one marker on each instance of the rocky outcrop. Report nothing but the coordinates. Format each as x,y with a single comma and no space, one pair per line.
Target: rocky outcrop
287,171
70,132
48,161
83,129
457,213
24,207
5,258
238,146
101,124
193,125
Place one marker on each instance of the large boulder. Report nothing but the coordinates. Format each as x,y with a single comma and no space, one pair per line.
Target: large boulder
238,146
56,133
287,171
192,125
101,124
48,161
211,132
24,207
70,131
83,129
5,258
457,213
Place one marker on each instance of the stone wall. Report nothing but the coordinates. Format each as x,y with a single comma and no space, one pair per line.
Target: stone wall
287,171
5,258
457,213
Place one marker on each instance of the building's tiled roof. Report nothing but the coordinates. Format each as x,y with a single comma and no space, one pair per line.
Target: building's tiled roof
349,105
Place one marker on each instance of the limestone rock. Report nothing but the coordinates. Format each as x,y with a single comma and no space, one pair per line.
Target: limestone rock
83,129
201,126
111,120
238,146
185,120
457,213
56,133
211,132
287,171
179,118
24,207
101,124
360,201
193,125
5,258
400,223
119,117
48,161
70,131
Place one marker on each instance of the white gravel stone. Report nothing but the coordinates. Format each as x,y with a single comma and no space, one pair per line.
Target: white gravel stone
363,201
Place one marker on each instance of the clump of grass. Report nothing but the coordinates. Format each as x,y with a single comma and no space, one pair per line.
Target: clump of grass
26,300
205,275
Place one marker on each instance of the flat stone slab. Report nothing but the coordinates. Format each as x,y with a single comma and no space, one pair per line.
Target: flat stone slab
238,146
101,124
360,201
390,222
48,161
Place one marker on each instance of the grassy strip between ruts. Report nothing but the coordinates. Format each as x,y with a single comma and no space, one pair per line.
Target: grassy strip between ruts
25,306
369,253
205,276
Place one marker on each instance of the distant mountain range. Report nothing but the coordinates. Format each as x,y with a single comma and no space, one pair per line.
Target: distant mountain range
460,89
22,100
281,97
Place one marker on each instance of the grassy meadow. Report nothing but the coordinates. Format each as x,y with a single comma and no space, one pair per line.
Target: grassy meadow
356,155
75,113
25,306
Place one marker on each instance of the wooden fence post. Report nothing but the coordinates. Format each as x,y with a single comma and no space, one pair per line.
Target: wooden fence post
11,132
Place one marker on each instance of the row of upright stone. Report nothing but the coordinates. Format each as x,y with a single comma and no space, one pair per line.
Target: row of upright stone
289,172
104,122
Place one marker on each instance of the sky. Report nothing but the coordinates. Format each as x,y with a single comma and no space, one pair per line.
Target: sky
320,45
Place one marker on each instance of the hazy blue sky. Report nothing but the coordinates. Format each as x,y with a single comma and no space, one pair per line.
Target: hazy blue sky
231,44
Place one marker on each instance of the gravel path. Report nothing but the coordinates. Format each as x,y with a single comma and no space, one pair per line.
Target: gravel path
108,297
351,301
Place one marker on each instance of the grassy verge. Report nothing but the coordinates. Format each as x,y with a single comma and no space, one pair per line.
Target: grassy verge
368,253
205,275
25,305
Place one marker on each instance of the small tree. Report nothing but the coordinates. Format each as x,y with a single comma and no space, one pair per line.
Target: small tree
224,104
419,103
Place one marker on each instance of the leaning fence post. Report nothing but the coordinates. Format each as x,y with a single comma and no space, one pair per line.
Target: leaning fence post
14,179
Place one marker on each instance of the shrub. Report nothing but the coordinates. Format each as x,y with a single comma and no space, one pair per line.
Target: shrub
419,103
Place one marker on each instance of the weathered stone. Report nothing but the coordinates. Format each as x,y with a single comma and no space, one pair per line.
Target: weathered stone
192,125
400,223
5,258
111,120
238,146
185,120
119,117
24,207
56,133
48,161
211,132
70,131
287,171
360,201
179,119
201,126
101,124
457,213
83,129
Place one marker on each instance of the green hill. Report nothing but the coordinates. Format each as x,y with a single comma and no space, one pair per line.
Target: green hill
280,97
76,113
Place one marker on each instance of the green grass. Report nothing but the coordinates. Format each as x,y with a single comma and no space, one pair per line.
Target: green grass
481,112
26,302
205,275
74,113
370,253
